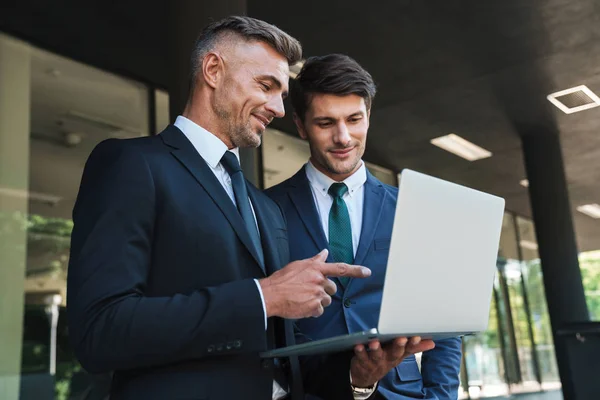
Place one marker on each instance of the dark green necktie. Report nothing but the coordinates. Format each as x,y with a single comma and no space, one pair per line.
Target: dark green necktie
340,231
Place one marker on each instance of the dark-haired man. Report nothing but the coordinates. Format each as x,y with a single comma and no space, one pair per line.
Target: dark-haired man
334,202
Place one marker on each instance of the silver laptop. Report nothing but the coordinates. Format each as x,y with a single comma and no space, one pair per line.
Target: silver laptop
440,270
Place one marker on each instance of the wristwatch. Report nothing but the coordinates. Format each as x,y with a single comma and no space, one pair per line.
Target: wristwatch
360,390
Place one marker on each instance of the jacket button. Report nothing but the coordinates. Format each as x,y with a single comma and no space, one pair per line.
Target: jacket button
220,347
229,345
347,303
210,349
237,344
266,364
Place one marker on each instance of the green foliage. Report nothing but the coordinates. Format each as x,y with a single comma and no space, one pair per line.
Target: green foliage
589,264
47,237
52,226
64,374
13,222
590,273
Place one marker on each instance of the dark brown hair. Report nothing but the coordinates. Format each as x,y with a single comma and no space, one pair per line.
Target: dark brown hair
335,74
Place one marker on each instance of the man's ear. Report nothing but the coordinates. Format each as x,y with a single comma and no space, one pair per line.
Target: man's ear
212,69
300,127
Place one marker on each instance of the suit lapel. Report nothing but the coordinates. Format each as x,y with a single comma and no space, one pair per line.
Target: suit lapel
372,210
187,155
302,198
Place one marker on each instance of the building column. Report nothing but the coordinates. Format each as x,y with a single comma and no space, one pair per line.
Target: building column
551,210
15,79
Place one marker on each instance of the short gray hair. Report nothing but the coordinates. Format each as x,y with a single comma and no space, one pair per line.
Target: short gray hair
246,28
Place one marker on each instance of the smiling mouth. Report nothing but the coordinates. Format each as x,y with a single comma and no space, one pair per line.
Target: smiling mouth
263,120
341,152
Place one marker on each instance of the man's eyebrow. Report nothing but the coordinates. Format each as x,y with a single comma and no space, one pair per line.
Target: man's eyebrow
326,118
275,81
323,119
357,114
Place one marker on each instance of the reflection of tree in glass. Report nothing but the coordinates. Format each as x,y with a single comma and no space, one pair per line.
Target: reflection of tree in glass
59,227
534,283
47,248
590,273
48,242
532,272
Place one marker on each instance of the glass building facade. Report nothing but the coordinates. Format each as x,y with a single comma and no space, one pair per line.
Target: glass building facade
54,110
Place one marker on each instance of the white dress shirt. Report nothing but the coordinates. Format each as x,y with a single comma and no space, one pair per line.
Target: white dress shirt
212,149
354,198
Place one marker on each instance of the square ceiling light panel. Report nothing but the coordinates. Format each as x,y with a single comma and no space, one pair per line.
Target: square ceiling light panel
575,99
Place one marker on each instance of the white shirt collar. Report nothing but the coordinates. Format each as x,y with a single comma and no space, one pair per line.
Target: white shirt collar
322,182
210,147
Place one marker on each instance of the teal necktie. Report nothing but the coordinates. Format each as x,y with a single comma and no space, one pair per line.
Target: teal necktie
340,231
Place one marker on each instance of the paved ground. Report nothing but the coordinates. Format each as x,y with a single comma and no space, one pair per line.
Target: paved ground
550,395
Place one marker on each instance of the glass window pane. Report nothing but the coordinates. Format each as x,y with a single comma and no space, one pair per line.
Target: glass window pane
525,377
15,89
521,326
283,156
162,110
534,284
589,263
505,335
508,251
71,108
484,360
502,357
383,174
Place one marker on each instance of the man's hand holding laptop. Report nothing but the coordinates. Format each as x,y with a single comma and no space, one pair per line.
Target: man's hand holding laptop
373,361
302,289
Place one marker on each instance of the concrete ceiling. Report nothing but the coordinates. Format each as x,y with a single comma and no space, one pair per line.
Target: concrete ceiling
479,69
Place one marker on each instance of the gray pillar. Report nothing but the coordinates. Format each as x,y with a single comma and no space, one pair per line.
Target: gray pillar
556,239
187,18
15,80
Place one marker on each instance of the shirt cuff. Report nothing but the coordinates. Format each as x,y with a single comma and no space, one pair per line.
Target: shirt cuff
262,298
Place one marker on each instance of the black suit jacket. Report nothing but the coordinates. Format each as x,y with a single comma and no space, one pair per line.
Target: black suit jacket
161,280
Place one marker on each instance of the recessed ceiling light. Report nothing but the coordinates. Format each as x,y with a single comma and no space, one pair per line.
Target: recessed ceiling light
461,147
591,210
524,183
575,99
528,244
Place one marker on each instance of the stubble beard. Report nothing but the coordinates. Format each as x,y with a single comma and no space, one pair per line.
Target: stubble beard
241,135
331,166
